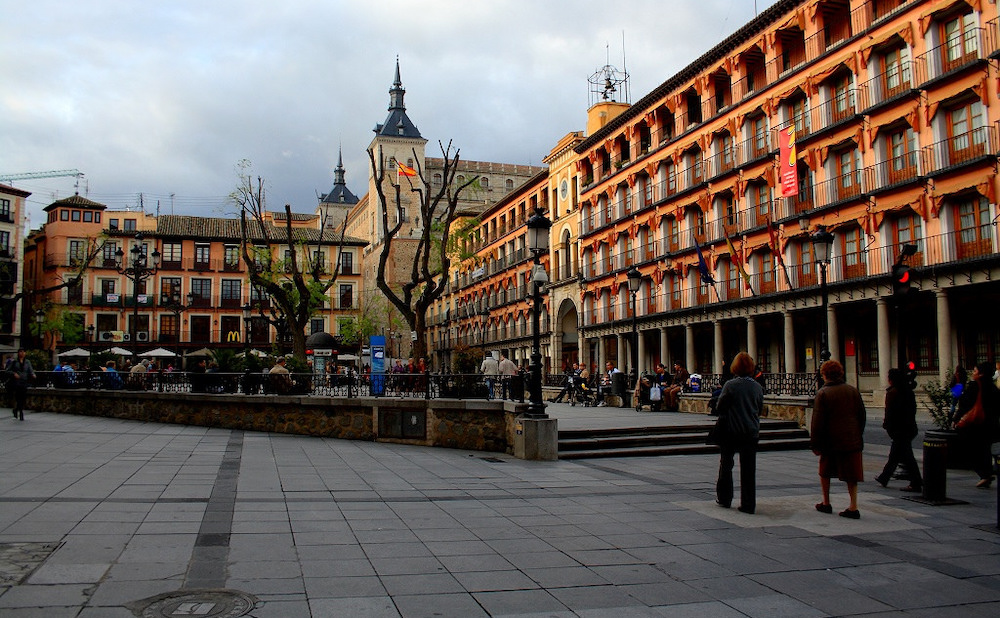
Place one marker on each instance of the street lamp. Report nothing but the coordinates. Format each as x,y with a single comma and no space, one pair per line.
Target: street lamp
173,305
538,242
822,241
484,317
634,281
39,320
247,314
137,269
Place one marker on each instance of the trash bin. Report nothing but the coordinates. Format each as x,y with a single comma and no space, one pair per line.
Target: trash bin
935,466
619,388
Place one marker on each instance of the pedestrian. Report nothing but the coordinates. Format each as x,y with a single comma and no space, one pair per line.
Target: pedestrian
837,436
490,368
958,380
677,385
569,382
901,425
740,405
508,371
978,421
21,372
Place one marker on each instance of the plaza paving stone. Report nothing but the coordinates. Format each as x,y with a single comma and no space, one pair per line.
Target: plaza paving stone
97,514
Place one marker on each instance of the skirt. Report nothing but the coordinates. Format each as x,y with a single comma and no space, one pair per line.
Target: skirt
844,466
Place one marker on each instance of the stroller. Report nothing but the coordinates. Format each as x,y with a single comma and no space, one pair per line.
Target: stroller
578,391
645,395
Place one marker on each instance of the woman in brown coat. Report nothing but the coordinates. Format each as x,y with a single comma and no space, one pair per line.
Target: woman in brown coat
837,436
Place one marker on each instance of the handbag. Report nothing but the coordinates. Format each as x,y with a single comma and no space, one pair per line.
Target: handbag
974,417
717,434
655,394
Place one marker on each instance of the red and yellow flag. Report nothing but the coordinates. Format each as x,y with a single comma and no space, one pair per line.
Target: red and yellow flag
404,170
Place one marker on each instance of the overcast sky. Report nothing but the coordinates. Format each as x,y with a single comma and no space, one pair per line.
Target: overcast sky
164,98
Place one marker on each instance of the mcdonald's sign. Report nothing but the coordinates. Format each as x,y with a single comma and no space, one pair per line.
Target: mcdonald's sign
233,336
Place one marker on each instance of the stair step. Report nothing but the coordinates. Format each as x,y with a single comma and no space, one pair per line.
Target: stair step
688,449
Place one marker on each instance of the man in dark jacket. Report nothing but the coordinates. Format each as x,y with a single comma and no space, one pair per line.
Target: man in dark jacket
837,436
21,372
901,425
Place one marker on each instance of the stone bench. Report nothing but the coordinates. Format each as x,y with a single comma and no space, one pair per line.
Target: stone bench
783,407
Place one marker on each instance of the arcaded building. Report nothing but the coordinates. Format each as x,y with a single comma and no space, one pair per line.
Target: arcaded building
894,112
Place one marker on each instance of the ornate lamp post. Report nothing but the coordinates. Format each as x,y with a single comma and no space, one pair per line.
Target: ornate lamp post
174,305
137,269
247,314
484,317
39,321
538,242
822,241
634,281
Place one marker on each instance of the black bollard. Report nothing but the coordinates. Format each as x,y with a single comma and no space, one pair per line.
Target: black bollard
935,466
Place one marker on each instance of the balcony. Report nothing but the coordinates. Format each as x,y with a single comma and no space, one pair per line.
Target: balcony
980,143
897,171
955,54
896,81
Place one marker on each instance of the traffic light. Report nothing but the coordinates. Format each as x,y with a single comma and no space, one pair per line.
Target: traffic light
911,375
902,277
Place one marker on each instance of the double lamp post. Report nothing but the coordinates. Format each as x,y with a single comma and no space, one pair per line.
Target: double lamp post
137,269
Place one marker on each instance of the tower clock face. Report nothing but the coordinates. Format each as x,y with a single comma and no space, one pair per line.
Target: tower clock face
563,189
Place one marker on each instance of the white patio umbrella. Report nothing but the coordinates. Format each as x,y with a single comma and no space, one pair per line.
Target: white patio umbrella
159,353
202,352
119,351
256,353
75,352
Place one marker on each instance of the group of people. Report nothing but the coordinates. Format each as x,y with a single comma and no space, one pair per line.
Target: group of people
503,372
837,431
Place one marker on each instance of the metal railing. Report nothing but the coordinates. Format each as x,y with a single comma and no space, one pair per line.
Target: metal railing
416,386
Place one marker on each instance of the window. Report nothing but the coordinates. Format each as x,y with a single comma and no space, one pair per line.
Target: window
346,263
759,127
316,325
202,251
966,138
841,96
797,114
201,289
909,231
113,224
88,216
232,293
848,181
960,41
759,199
77,252
346,296
129,225
5,209
807,263
4,243
108,286
895,71
902,154
63,214
171,257
854,258
767,272
508,185
75,215
170,290
231,257
972,221
170,328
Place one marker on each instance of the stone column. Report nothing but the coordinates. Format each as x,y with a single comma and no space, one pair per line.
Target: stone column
718,362
946,363
664,348
833,339
622,352
752,336
884,347
602,356
689,357
789,342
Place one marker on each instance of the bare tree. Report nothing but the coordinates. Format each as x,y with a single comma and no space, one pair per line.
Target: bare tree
295,285
432,260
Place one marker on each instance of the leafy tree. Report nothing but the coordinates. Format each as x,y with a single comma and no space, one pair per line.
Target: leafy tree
438,209
296,285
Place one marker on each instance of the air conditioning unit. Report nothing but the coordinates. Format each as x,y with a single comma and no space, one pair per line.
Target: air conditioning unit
126,336
142,335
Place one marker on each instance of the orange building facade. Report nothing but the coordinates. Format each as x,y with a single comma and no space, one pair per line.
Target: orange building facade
194,299
896,121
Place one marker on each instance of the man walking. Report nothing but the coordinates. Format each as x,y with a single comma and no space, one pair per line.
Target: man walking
21,373
508,375
490,369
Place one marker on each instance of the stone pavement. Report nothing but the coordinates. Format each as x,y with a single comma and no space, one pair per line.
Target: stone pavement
101,518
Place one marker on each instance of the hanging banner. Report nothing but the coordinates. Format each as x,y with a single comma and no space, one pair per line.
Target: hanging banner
787,170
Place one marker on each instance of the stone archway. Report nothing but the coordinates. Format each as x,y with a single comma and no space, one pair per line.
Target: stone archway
567,337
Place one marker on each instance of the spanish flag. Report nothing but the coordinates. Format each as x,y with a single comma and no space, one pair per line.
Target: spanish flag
403,170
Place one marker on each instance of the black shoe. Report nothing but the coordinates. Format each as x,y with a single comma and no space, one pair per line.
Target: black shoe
21,416
884,482
824,508
743,509
849,514
720,503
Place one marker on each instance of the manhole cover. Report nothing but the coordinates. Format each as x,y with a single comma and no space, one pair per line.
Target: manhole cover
204,603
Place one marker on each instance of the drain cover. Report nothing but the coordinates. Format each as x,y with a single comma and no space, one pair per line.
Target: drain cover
204,603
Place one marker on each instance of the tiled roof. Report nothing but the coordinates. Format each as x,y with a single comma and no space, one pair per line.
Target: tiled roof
218,228
75,201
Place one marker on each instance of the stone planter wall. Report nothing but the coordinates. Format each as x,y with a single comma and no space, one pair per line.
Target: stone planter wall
471,425
783,407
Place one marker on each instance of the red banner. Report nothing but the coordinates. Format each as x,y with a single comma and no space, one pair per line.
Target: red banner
787,175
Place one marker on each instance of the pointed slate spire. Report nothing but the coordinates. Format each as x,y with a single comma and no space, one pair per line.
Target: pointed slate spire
397,124
339,194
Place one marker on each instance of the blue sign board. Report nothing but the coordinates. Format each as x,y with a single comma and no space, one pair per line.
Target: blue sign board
377,345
